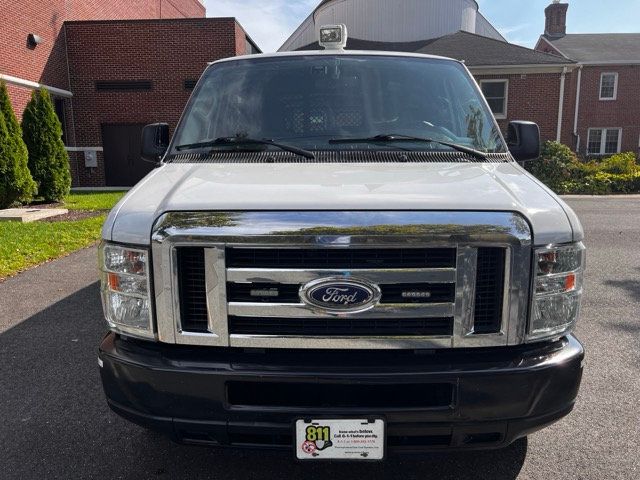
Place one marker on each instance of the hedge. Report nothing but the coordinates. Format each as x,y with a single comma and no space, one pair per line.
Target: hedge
561,170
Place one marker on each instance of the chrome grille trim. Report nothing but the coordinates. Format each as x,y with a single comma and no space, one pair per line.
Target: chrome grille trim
465,231
433,310
466,281
216,282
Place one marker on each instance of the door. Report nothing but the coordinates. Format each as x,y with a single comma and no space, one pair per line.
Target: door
122,163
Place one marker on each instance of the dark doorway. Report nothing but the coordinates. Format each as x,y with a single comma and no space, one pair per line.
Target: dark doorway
122,162
58,104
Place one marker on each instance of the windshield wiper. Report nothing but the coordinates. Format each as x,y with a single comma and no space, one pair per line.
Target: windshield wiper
386,138
232,141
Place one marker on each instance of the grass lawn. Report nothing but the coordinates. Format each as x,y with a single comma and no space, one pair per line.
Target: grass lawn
92,200
23,245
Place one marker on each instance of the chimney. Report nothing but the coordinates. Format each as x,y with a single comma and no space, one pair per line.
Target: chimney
556,24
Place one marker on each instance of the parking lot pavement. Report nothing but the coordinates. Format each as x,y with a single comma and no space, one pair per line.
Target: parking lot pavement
55,423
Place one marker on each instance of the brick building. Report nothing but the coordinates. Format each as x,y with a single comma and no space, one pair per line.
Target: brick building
111,66
606,117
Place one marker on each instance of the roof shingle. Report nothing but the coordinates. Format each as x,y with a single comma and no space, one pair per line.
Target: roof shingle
475,50
599,47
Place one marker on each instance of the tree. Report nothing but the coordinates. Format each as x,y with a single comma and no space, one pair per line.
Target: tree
48,159
16,184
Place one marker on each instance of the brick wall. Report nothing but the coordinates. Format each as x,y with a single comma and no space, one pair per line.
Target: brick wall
624,112
535,97
46,63
165,52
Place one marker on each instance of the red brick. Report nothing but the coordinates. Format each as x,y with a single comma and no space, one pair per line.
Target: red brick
165,52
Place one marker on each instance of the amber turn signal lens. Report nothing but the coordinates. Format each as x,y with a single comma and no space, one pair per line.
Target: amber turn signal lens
570,282
114,281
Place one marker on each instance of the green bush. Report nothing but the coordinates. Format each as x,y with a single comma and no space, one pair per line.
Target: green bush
48,159
620,163
556,166
16,184
603,183
560,169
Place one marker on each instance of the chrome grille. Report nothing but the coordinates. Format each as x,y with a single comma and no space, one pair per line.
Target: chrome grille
233,284
275,295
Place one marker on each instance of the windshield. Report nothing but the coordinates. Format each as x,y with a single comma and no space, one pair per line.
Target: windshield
311,101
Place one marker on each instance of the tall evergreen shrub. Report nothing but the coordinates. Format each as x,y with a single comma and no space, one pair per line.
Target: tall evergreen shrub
16,184
48,159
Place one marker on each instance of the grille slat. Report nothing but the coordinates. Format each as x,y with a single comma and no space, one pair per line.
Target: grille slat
289,293
341,326
341,258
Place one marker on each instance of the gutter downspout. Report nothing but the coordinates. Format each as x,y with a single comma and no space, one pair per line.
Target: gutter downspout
575,121
563,78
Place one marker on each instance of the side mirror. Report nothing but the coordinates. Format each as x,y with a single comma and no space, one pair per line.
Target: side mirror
523,140
155,141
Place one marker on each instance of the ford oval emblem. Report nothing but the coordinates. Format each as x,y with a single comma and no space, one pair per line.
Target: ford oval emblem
340,295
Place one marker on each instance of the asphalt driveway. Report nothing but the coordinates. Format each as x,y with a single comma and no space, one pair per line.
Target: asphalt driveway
54,422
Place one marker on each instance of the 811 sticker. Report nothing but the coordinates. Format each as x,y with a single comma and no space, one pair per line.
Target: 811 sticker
340,439
318,438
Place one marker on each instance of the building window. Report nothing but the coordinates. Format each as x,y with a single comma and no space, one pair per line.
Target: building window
497,93
608,86
604,141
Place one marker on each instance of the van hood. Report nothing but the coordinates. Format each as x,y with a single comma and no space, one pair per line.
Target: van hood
504,187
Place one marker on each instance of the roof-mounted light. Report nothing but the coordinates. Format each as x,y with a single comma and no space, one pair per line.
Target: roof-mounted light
333,37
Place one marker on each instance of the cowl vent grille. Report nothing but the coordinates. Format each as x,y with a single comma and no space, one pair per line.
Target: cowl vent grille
336,157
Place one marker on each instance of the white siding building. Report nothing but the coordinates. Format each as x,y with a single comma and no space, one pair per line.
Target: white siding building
393,21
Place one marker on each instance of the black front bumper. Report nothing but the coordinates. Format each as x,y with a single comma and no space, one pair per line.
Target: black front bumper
441,399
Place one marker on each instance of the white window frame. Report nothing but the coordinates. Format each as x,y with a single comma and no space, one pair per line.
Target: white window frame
615,87
603,141
499,116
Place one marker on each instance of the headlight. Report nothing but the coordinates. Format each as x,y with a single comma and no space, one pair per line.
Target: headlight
557,290
126,298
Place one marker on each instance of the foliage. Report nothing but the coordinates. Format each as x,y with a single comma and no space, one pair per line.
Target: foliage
621,163
48,159
16,184
560,169
557,164
603,183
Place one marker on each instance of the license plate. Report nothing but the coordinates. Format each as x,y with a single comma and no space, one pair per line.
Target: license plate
340,439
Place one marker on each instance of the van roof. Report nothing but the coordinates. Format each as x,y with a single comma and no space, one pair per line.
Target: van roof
307,53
